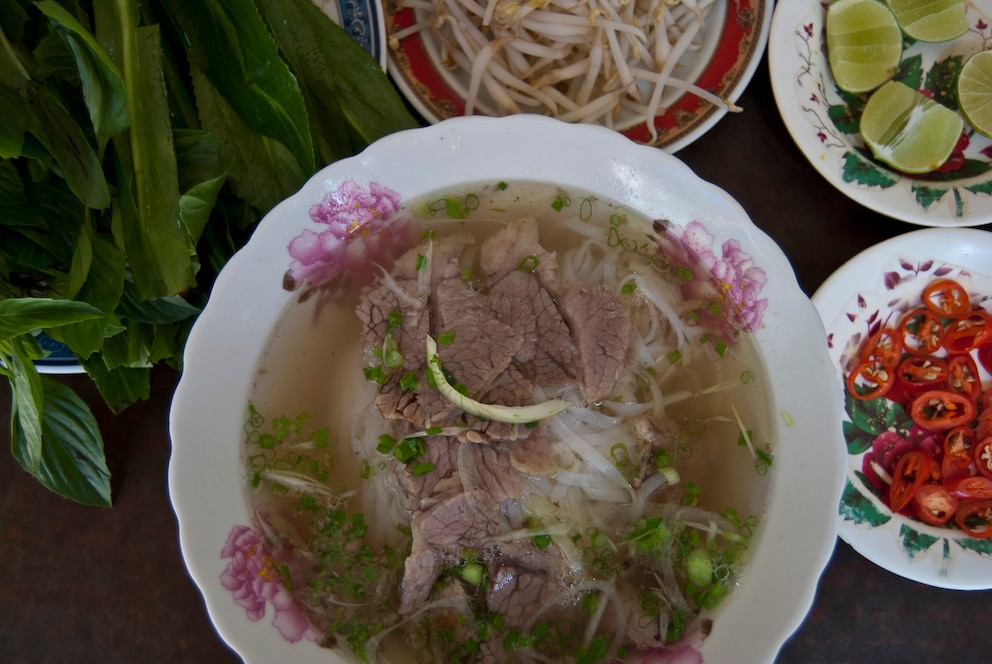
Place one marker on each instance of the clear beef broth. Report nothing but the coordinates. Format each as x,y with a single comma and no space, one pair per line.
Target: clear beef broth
566,525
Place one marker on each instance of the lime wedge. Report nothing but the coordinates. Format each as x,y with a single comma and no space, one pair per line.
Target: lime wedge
931,20
975,92
864,44
908,130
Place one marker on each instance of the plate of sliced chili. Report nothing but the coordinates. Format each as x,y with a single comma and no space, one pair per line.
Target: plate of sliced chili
909,329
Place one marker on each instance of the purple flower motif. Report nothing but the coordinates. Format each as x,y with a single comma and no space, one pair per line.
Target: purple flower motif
359,229
726,289
253,578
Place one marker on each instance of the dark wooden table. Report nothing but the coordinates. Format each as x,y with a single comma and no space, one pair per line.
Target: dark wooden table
81,584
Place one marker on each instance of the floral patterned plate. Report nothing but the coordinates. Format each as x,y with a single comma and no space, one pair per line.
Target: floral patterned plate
876,285
824,121
353,211
735,37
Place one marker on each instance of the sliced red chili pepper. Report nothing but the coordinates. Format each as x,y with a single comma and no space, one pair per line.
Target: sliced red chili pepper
984,355
975,518
911,472
942,410
968,332
917,374
922,332
963,376
975,487
983,457
946,298
959,447
934,504
870,380
885,346
984,427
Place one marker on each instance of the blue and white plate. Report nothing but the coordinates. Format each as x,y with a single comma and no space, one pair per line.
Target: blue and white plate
363,20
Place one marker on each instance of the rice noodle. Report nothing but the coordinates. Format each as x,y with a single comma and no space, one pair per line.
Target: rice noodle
602,56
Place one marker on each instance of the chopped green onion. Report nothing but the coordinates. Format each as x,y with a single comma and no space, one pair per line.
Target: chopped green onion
542,541
720,347
321,438
560,202
473,573
422,469
674,356
409,381
386,444
699,567
446,339
421,263
629,288
375,374
529,263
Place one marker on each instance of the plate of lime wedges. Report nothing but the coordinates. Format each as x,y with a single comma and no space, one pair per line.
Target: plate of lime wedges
891,101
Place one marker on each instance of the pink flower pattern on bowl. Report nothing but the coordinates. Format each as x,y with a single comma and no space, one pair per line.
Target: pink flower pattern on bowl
727,287
361,228
253,576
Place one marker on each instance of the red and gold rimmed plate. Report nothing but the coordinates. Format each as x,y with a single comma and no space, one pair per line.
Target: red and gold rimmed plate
732,43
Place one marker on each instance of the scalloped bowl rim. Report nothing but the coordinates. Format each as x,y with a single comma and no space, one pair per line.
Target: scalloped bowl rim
799,529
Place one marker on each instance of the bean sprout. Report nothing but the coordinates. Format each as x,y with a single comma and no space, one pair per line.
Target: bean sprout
581,61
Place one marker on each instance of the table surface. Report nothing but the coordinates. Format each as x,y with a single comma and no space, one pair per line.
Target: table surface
85,584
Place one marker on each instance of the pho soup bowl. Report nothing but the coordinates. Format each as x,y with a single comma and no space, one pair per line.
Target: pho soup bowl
507,390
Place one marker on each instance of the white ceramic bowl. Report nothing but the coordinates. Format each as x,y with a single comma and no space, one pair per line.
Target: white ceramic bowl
207,474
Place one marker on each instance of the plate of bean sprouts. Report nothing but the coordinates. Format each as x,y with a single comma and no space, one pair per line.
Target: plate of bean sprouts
662,72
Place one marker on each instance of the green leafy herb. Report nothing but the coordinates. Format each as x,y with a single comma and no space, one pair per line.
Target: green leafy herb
141,142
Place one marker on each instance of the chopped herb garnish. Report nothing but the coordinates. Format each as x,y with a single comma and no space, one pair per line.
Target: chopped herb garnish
446,339
720,347
542,542
375,374
321,438
421,263
422,469
674,356
629,288
386,444
683,273
529,263
409,381
501,186
560,202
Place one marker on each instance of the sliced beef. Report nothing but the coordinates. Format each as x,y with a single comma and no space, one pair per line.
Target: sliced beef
547,352
525,579
516,246
442,451
602,325
482,345
441,531
488,468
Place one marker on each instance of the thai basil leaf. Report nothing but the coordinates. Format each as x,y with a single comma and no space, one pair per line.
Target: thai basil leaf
72,462
119,387
23,315
263,172
13,111
352,102
12,20
58,131
102,286
102,84
158,311
229,42
27,398
158,249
